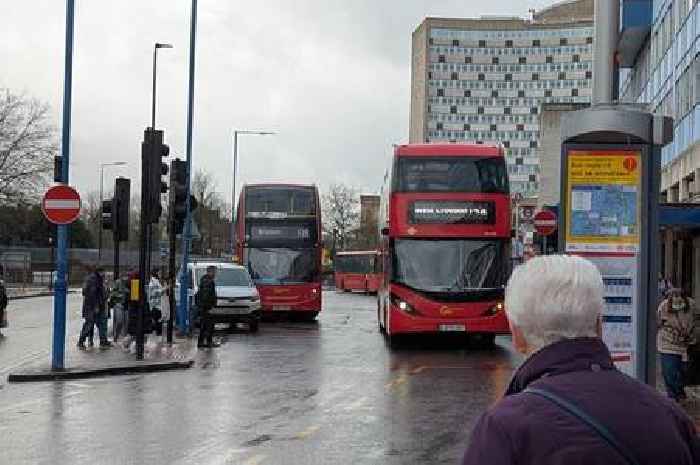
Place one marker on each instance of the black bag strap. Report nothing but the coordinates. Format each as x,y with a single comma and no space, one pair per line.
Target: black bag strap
602,431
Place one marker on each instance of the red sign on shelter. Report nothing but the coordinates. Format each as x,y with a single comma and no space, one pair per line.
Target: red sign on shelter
545,222
61,205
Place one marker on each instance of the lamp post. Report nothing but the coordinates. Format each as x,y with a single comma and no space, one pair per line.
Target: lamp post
155,60
102,182
236,132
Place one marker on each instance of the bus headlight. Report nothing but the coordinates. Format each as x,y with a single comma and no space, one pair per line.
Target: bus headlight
402,305
494,310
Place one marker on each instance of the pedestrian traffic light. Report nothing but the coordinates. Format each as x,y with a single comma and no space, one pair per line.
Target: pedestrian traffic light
153,150
107,219
178,195
121,208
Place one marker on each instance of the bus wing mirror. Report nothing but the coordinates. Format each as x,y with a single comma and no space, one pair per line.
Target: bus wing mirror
385,231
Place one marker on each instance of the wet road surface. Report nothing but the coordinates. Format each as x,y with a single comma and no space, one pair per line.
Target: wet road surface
295,393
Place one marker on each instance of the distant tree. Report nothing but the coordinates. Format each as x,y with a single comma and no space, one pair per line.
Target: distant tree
341,213
28,144
26,225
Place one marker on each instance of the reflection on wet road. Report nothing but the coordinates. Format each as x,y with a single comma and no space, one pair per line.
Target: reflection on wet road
296,393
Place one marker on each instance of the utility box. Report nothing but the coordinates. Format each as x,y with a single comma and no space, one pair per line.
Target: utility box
611,159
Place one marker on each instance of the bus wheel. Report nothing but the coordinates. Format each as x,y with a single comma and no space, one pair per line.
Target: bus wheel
379,320
253,326
307,317
394,341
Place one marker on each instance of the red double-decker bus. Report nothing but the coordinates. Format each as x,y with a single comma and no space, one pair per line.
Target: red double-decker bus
357,271
445,228
278,238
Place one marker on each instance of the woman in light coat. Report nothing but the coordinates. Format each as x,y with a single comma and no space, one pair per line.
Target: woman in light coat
676,332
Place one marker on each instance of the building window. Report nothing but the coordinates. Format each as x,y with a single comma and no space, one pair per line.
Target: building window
536,43
441,59
480,110
562,76
535,77
482,43
467,127
509,43
563,41
533,144
589,74
494,94
522,60
454,76
441,92
468,60
453,109
508,77
467,93
455,43
548,93
494,60
439,126
506,111
589,40
576,58
533,110
549,59
481,77
430,41
574,92
521,94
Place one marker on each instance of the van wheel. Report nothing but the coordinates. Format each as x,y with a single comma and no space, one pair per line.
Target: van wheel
253,326
482,341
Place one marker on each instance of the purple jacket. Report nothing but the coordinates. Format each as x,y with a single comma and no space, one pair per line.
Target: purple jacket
526,429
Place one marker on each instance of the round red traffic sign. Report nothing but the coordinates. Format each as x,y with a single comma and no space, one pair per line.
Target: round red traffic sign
61,205
545,222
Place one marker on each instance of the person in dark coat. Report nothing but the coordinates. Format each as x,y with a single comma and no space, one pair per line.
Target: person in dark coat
554,305
94,308
4,300
206,300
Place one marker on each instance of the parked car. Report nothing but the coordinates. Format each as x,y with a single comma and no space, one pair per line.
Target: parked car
238,300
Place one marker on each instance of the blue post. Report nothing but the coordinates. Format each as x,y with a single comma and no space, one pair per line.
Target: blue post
184,307
61,287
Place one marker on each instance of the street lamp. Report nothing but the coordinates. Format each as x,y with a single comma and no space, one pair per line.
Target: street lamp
236,132
155,59
99,223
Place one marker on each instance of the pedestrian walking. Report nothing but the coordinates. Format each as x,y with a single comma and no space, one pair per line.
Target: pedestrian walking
676,332
94,308
4,300
205,299
568,404
155,297
118,299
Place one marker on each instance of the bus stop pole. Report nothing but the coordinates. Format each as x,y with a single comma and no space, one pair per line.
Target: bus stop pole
61,286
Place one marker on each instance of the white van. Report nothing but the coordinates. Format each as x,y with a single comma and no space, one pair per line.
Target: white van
238,300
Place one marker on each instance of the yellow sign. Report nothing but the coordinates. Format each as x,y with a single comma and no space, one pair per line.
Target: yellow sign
134,290
603,201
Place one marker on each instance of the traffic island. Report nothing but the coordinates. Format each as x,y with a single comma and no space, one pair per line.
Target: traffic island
67,374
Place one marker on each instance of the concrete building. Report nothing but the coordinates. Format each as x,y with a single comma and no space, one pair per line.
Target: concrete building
549,151
484,80
658,53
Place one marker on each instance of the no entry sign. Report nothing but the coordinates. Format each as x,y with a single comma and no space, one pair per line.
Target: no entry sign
545,222
61,205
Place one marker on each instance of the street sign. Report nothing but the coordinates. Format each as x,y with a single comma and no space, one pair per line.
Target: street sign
61,205
545,222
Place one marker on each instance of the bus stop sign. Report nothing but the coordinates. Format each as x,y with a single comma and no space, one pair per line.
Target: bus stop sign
61,205
545,223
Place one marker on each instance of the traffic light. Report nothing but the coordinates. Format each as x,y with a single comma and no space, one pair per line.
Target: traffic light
120,206
107,218
57,168
153,150
178,195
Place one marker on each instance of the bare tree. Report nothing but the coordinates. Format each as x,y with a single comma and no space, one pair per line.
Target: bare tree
28,144
208,214
341,212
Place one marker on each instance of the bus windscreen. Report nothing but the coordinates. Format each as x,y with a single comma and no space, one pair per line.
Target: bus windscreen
452,174
282,265
279,202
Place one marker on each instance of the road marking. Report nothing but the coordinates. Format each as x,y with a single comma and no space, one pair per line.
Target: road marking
255,460
307,432
356,405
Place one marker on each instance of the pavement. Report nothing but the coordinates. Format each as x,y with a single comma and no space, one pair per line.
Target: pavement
295,393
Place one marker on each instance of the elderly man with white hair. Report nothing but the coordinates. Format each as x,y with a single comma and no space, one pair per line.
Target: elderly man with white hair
568,404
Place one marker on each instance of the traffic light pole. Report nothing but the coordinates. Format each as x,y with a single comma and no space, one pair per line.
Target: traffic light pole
144,253
173,271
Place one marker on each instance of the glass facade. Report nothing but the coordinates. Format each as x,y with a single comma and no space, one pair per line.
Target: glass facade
487,86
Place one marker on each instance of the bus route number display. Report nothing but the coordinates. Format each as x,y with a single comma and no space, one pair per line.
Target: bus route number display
261,233
452,212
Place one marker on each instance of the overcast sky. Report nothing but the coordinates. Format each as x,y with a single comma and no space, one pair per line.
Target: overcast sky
332,77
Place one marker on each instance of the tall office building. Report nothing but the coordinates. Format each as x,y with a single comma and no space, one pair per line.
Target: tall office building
484,80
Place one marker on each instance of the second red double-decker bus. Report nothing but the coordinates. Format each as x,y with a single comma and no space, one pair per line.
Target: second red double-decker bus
445,226
357,271
278,238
